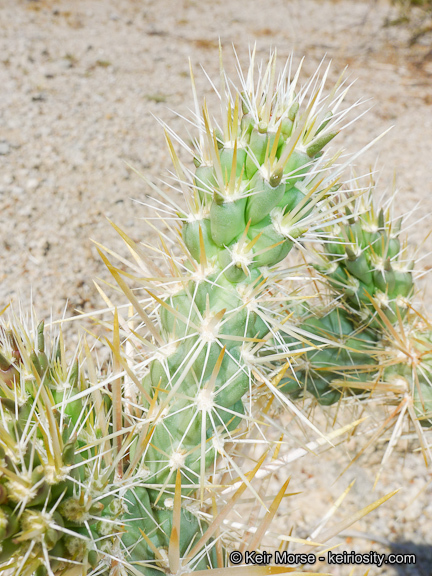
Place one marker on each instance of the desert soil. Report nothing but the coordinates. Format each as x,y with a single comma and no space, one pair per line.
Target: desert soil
80,85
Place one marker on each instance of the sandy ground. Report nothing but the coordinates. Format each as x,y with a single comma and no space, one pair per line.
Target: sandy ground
80,83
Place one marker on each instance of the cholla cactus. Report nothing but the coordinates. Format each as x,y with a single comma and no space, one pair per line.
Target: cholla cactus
257,190
350,355
365,263
212,336
369,277
406,363
70,495
134,471
382,345
261,186
57,469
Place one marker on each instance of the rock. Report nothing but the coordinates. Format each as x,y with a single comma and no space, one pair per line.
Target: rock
4,148
40,97
32,183
17,190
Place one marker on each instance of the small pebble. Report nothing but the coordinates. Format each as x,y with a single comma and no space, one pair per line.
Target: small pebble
17,190
4,148
32,183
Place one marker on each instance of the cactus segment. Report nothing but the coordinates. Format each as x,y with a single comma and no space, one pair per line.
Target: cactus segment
150,529
270,246
192,233
227,221
62,501
350,358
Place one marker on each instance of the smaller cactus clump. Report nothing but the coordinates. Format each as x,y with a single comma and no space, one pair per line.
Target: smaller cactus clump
56,473
366,265
406,365
382,346
69,501
349,355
